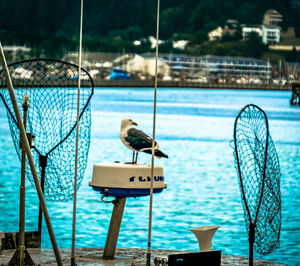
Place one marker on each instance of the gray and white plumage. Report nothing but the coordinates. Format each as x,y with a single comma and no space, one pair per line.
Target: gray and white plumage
137,140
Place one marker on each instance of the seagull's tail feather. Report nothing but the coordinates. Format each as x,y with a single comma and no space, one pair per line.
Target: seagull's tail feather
160,154
157,153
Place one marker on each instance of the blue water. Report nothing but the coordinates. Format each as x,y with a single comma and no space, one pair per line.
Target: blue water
194,127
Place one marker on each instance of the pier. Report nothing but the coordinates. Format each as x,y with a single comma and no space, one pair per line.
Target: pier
99,83
123,256
295,100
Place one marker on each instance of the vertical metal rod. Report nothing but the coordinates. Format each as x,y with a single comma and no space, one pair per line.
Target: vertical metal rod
77,136
251,242
29,156
22,187
148,261
43,163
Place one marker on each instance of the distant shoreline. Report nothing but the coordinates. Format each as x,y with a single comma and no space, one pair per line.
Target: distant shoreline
149,84
187,84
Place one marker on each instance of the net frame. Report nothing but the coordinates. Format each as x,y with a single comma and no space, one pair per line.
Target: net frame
258,169
51,78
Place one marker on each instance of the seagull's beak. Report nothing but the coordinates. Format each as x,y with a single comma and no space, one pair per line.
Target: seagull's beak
134,123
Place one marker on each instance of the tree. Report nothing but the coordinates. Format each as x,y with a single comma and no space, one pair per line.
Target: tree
297,31
293,56
254,46
35,22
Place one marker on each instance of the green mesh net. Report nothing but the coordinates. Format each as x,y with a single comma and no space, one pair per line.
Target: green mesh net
259,176
52,86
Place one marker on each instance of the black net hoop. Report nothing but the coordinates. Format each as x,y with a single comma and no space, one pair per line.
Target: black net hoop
52,86
259,176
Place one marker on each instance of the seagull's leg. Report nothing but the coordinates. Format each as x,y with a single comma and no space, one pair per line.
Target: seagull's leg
136,155
133,157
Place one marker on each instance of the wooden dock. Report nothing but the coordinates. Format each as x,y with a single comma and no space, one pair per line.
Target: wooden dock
124,256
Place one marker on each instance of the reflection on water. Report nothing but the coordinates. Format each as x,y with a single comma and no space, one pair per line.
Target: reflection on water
194,127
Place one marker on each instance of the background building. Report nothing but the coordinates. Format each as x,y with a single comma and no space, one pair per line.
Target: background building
270,27
215,34
237,67
270,34
212,67
247,31
272,18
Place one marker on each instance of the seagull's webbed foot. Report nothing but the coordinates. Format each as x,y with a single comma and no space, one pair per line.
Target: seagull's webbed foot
134,158
132,162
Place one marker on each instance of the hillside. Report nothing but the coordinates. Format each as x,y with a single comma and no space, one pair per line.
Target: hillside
51,26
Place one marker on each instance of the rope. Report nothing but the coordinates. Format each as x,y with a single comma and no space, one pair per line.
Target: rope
115,201
153,141
77,134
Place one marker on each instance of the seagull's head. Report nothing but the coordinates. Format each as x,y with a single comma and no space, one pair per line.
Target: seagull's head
127,122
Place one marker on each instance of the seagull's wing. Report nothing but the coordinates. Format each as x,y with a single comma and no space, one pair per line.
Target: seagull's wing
138,139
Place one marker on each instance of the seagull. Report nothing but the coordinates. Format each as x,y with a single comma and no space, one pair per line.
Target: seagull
137,140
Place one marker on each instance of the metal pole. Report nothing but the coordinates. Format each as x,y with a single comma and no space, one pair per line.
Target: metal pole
43,164
251,242
77,136
29,156
148,261
22,187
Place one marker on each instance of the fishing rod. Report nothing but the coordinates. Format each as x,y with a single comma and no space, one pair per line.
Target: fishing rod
77,136
153,141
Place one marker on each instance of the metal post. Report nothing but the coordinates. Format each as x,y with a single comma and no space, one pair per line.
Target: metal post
21,256
73,263
29,156
153,142
114,228
251,242
43,164
22,187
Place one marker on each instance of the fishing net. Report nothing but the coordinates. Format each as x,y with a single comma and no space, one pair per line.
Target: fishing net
52,86
259,175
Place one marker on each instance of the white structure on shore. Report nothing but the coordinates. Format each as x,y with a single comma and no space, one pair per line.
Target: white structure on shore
178,66
247,31
218,66
270,34
144,66
270,27
215,34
